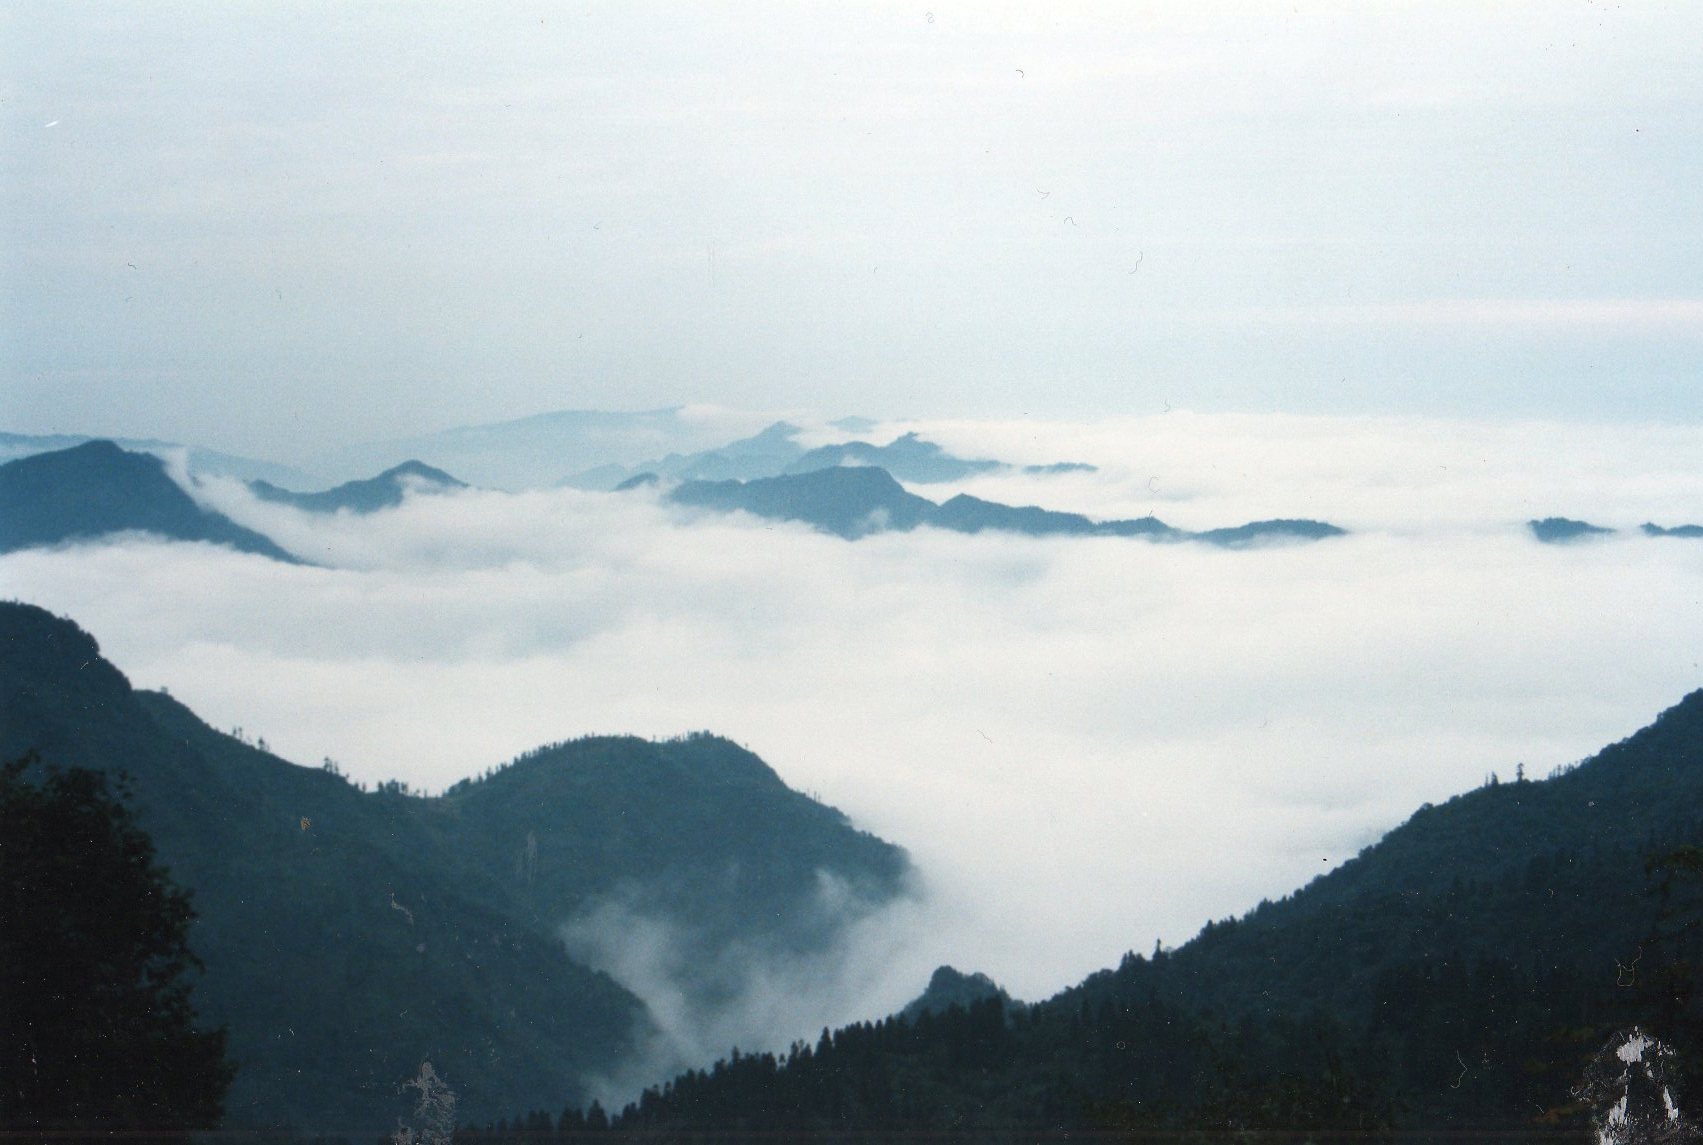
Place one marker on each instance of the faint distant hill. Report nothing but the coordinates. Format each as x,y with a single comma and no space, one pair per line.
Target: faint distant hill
534,452
96,489
856,501
1674,531
1260,532
776,452
763,454
202,462
909,458
349,935
849,503
1561,530
385,491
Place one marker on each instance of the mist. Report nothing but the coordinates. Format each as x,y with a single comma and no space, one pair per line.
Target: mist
1087,744
758,997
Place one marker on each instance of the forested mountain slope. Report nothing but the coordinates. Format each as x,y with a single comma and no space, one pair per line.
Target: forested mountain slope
350,935
1461,974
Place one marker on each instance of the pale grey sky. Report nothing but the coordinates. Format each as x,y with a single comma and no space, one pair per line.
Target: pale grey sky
279,227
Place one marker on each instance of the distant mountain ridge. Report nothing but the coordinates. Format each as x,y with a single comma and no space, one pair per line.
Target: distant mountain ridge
201,462
96,489
384,491
763,454
349,935
533,452
775,452
859,501
909,458
849,503
1565,530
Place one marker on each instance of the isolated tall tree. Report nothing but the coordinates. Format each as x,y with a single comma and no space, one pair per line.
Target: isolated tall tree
96,1025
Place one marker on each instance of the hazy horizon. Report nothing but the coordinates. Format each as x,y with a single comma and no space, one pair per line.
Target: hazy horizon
296,225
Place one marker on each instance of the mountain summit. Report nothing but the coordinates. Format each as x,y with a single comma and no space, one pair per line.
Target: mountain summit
385,491
350,934
97,489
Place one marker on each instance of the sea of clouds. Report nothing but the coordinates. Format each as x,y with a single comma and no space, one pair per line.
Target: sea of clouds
1086,744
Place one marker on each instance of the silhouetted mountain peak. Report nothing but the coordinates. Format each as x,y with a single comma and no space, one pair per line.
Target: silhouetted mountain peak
849,501
422,471
967,514
385,491
908,457
1692,531
99,488
1560,530
380,928
949,987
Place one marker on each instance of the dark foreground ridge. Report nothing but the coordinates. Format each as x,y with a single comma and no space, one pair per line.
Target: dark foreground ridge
1466,974
350,935
97,489
857,501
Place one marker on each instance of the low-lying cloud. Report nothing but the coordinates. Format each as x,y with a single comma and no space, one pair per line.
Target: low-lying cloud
1087,744
744,995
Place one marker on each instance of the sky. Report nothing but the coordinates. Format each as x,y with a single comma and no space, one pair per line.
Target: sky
266,227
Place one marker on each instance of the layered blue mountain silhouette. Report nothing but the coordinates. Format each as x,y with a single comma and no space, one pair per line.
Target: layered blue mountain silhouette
1565,530
385,491
775,452
857,501
97,489
200,461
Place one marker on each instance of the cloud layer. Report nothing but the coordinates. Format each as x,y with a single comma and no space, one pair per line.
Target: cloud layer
1087,744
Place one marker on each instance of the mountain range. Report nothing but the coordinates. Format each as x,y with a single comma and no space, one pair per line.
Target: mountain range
97,488
365,496
349,935
1566,530
776,452
208,462
857,501
533,452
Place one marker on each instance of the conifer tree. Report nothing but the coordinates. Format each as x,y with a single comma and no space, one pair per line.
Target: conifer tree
96,1026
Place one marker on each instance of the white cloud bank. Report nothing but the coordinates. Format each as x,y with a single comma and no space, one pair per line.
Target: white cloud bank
1086,744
